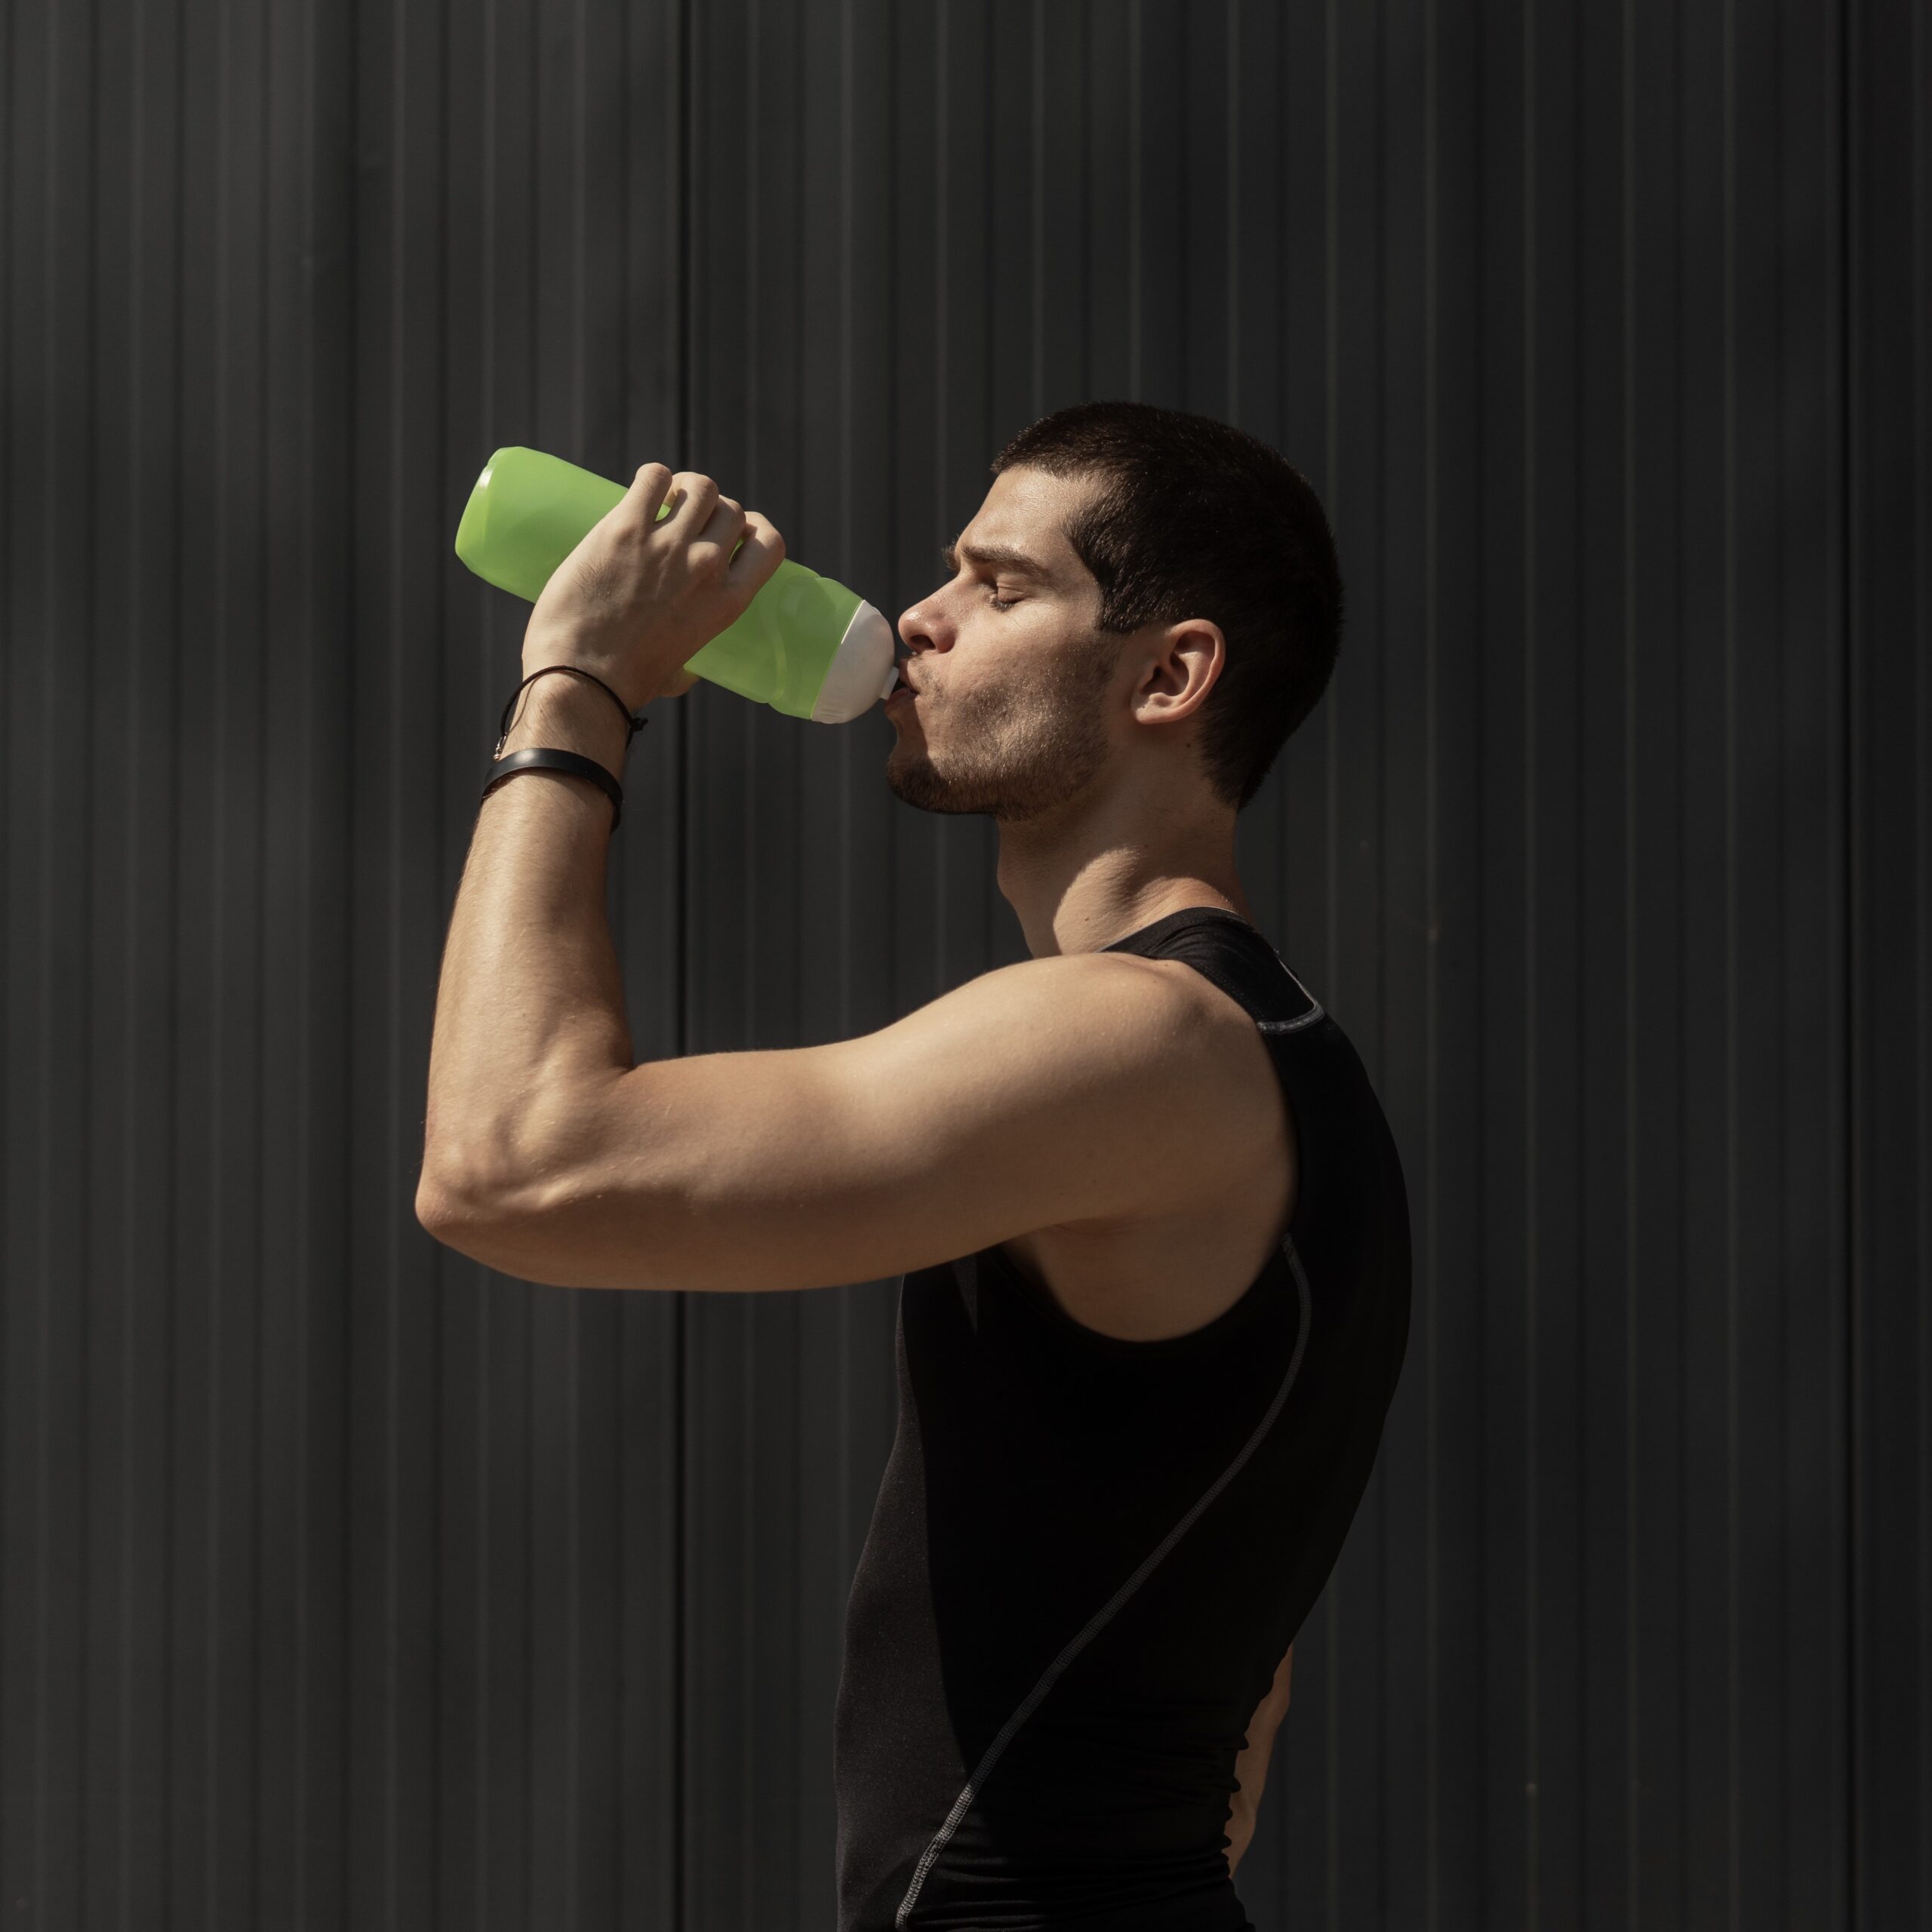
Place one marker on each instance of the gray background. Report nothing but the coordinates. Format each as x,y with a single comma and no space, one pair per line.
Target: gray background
347,1586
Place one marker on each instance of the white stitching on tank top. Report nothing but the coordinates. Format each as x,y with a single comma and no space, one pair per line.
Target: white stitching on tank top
964,1803
1289,1025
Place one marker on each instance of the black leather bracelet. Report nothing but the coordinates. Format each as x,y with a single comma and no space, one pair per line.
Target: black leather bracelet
546,758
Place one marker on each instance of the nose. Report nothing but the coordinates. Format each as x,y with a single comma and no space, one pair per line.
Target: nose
911,634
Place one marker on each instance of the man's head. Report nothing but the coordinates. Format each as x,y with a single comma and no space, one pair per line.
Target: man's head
1144,596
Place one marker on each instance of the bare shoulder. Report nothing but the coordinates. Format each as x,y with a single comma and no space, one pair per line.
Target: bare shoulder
1123,1050
1187,1244
1195,1046
1141,1075
1235,1065
1243,1118
1080,1003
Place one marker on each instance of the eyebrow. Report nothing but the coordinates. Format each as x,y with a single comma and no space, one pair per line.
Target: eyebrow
993,557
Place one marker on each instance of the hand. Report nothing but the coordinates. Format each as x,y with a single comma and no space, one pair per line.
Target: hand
637,598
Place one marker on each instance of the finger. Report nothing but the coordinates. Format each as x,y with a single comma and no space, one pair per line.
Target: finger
758,556
725,526
649,487
698,495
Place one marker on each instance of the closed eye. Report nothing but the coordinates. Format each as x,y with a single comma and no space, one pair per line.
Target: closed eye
998,602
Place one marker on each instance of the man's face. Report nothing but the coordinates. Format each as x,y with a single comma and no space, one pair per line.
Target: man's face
1010,676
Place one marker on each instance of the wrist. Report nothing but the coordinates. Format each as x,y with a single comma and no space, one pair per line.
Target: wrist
568,714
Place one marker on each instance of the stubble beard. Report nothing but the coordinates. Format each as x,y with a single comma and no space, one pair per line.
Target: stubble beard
1013,756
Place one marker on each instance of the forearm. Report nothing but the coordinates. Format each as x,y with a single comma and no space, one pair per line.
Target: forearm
530,1007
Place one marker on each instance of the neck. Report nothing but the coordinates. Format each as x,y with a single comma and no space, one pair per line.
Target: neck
1077,888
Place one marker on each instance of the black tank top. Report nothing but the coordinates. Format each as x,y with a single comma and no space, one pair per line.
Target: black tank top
1088,1555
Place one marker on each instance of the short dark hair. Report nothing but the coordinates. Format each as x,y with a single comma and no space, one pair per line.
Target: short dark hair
1199,519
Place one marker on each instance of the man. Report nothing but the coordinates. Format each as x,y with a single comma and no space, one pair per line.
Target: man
1147,1218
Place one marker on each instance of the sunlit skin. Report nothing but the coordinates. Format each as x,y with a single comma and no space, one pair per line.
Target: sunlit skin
1077,742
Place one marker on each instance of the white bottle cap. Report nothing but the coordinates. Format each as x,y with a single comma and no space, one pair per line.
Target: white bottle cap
863,668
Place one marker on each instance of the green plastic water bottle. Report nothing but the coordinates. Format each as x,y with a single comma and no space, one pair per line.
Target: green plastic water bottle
805,645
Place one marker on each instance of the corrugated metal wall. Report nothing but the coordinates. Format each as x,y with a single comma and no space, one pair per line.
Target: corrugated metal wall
346,1585
1886,1223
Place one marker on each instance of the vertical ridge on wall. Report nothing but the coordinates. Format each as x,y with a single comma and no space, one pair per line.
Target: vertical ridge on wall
689,131
45,1129
1888,76
1428,1880
1629,1812
1846,1018
685,177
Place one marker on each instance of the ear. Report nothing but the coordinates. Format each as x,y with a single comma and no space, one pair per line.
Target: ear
1189,660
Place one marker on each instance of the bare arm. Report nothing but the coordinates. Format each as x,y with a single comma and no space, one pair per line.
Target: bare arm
1251,1767
531,1001
1018,1100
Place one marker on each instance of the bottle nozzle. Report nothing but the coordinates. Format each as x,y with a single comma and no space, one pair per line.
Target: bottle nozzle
862,672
